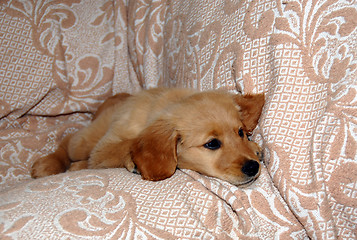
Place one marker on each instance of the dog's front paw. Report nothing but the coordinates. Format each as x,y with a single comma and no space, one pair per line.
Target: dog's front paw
131,167
47,166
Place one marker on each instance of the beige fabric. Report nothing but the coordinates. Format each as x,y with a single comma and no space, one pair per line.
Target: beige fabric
115,204
59,60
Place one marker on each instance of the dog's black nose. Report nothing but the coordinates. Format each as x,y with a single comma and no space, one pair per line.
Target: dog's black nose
250,168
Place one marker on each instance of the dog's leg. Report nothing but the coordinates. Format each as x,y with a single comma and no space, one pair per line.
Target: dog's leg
111,152
73,148
53,163
83,142
73,152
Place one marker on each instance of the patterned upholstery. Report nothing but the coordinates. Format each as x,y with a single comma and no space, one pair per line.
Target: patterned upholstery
59,60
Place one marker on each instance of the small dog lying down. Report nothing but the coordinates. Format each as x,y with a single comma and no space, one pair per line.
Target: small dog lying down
158,130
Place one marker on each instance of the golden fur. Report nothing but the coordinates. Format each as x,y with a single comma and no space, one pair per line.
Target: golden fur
158,130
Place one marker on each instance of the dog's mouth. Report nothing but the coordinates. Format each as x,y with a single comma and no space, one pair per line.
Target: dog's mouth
247,183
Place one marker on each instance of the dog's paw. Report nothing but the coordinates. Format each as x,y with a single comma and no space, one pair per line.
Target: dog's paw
47,166
75,166
131,167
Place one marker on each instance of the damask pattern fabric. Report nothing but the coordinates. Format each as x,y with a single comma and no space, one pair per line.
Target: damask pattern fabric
59,60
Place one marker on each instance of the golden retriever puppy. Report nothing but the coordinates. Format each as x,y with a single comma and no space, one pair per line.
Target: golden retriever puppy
158,130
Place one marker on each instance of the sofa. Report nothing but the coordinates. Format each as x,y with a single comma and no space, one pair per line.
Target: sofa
59,60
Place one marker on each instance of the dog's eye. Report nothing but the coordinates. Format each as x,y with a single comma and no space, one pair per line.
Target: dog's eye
241,133
213,144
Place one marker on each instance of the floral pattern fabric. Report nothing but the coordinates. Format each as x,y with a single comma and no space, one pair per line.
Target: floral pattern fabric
60,59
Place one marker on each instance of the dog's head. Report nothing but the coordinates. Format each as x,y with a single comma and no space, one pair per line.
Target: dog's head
207,132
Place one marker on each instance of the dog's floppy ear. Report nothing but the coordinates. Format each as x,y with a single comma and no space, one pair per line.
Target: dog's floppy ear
251,106
154,151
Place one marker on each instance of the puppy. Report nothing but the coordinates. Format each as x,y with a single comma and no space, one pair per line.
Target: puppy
159,130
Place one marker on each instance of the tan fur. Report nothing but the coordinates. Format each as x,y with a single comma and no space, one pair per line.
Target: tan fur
160,129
